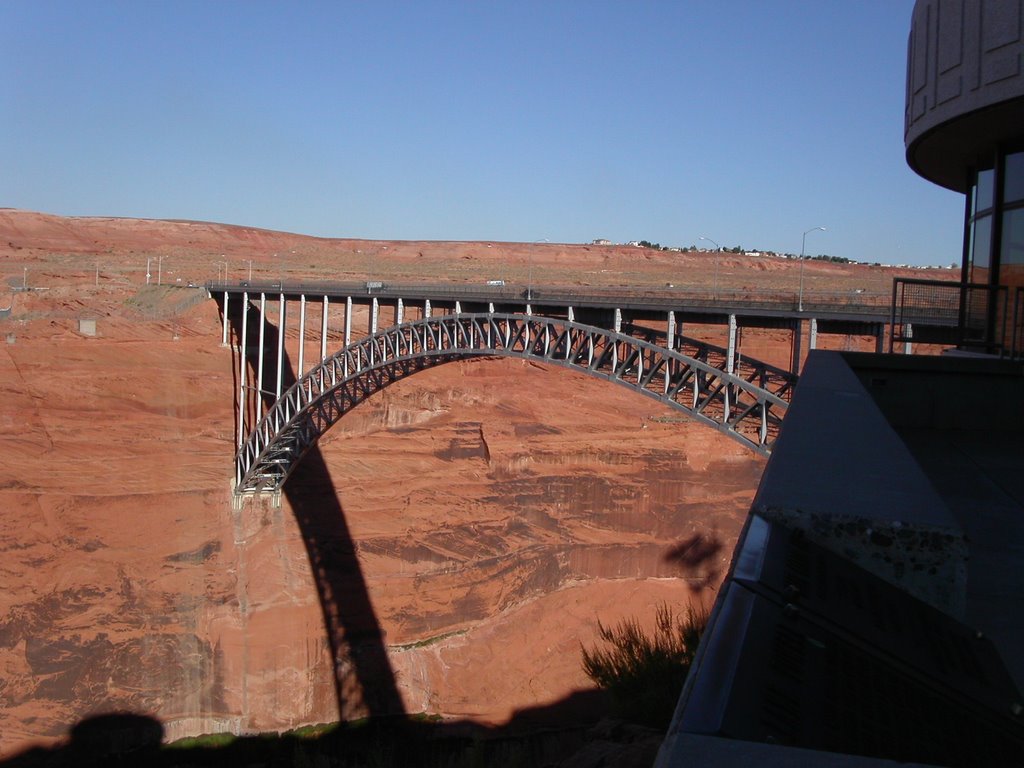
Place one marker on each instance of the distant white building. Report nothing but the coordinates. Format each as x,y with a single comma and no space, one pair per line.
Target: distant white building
600,241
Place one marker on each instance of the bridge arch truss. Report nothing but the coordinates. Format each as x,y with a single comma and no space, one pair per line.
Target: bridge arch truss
747,408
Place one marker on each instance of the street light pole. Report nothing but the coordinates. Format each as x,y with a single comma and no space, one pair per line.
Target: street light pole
718,250
803,243
159,269
250,269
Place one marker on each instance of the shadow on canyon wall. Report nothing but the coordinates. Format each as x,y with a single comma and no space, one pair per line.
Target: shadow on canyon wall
566,732
697,558
365,686
363,678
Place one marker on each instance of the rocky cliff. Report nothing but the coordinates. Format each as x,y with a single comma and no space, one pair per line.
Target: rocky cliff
492,511
446,550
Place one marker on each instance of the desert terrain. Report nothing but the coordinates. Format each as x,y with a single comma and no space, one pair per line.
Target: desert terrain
475,520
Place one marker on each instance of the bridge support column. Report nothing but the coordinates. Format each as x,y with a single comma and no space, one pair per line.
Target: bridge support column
730,354
879,338
813,341
571,317
458,307
794,365
348,320
617,327
374,310
426,309
242,373
259,362
224,336
490,307
670,343
281,304
908,345
323,331
302,333
399,312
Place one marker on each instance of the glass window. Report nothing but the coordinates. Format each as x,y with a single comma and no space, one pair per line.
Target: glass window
1013,178
983,198
1012,250
981,238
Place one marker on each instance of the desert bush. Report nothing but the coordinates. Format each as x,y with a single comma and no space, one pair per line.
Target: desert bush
644,673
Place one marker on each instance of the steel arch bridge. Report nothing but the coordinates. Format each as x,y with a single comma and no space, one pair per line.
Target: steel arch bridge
747,408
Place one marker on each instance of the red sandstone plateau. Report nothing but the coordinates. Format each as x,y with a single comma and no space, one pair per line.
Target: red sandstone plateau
472,523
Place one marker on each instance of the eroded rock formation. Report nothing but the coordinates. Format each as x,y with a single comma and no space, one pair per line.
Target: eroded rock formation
447,550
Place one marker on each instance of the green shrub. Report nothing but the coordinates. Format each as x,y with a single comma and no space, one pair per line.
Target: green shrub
644,674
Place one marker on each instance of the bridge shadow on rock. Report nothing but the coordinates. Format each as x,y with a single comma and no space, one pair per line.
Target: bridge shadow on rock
697,559
363,678
569,732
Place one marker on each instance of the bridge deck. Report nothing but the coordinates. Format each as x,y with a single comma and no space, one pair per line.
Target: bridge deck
847,307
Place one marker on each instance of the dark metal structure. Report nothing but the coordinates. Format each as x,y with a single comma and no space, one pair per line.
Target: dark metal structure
631,337
747,406
977,314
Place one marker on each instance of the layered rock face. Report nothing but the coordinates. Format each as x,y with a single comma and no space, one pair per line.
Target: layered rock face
448,548
445,549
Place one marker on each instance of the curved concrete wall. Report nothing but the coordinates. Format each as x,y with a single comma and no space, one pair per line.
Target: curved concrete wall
965,85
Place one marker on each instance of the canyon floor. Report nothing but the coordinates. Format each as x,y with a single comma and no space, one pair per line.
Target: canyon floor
452,546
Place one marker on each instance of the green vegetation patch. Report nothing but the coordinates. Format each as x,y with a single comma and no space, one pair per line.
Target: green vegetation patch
644,674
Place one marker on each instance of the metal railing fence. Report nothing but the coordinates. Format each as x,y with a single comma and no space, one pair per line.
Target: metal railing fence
981,315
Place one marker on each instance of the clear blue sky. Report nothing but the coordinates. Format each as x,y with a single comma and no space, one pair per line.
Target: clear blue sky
749,121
